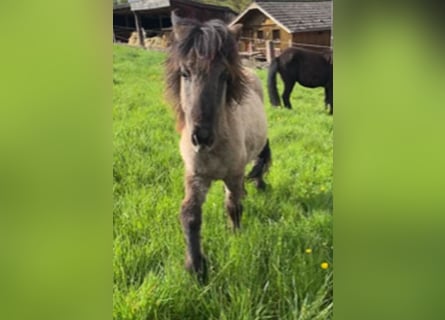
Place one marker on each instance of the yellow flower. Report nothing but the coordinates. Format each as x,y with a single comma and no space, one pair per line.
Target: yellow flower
324,265
308,250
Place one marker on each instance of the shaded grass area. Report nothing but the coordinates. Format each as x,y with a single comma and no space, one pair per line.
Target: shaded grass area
264,271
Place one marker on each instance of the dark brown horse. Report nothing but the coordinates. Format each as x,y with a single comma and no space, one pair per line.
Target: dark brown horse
221,118
309,68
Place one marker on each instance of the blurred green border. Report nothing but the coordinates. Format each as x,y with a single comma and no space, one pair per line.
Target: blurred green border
388,160
56,160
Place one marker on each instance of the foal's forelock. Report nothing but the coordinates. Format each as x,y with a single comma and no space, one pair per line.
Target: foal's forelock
199,46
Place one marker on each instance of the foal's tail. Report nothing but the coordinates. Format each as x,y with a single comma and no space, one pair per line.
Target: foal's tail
272,83
261,166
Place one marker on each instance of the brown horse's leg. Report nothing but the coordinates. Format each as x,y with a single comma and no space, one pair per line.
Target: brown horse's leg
330,98
326,97
234,194
288,86
191,218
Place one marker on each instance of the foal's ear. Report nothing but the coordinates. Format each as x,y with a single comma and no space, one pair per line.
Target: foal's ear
178,27
174,17
236,30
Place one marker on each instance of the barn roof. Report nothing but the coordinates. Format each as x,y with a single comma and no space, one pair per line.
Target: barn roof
294,16
121,7
158,4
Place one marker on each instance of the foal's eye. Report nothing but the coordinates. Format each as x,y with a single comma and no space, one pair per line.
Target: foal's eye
185,74
224,76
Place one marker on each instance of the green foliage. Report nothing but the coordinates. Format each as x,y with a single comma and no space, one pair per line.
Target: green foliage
236,5
261,273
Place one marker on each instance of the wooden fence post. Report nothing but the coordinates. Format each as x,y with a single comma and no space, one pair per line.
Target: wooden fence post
139,29
270,51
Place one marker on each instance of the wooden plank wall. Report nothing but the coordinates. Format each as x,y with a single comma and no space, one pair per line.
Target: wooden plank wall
321,38
202,14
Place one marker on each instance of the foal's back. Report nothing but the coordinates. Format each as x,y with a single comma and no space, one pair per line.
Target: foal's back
251,117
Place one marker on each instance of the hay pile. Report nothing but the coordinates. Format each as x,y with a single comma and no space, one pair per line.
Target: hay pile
159,42
134,39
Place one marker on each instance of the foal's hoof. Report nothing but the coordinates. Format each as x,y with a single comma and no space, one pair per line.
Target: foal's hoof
198,268
260,185
235,226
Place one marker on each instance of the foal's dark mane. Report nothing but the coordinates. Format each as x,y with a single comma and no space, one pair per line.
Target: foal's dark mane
198,45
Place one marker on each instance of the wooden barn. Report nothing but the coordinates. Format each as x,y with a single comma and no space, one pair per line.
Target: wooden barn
150,18
123,22
278,24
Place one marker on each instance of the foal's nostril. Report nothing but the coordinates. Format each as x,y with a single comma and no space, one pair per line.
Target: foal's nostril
195,139
201,136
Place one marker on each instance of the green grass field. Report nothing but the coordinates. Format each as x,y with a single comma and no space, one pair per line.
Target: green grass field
264,272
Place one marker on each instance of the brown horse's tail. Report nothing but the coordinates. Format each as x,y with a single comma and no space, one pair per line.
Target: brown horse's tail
272,83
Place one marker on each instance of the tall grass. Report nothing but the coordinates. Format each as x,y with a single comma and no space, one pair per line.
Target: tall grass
264,272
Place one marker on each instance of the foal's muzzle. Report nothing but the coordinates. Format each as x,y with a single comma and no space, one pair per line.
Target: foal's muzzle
202,137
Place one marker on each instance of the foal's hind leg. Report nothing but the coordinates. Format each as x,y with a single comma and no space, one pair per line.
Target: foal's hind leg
288,87
260,167
234,193
191,217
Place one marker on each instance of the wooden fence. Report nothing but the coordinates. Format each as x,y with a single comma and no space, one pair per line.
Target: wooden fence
268,49
252,49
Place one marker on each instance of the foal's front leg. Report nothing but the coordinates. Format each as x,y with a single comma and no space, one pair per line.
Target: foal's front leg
234,193
191,217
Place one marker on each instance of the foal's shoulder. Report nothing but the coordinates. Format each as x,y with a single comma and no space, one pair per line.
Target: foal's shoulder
251,76
248,72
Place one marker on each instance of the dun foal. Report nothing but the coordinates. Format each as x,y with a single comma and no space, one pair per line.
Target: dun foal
221,119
